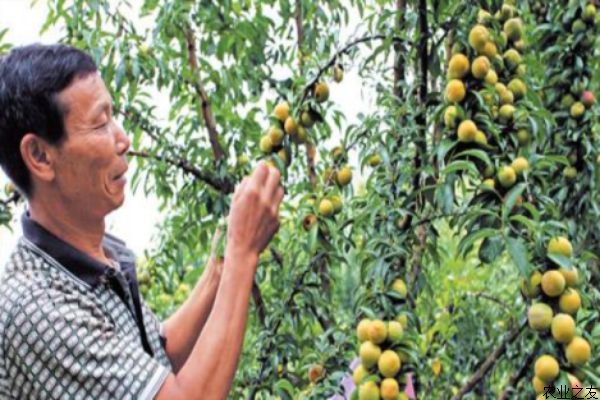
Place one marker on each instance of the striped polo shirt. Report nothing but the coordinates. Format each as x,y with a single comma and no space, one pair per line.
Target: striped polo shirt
74,328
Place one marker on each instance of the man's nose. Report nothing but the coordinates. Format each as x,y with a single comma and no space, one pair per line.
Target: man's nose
123,141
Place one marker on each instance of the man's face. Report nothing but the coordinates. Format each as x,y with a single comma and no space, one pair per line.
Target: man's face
91,161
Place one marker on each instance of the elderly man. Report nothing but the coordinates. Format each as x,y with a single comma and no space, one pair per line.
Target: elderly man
72,324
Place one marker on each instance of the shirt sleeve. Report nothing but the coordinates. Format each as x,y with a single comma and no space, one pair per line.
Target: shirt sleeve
58,348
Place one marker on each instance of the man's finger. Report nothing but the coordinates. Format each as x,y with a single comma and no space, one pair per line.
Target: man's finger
272,183
240,187
260,174
278,198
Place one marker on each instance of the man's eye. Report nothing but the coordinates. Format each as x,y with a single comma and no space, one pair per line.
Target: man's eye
103,125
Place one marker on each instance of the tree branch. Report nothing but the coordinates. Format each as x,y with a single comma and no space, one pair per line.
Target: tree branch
399,62
13,198
259,303
205,107
489,362
338,53
223,186
298,285
519,375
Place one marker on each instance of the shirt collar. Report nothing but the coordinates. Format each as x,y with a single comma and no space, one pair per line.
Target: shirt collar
75,261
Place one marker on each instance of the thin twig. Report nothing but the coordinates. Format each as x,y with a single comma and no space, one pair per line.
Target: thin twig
490,361
205,107
223,185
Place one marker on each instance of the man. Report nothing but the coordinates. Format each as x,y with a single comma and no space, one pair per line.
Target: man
72,324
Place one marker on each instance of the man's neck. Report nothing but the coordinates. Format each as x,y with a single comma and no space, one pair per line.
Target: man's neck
84,234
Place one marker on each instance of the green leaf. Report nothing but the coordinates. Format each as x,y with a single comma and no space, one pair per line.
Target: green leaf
518,252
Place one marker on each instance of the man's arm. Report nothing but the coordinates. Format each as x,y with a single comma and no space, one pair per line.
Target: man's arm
209,370
183,328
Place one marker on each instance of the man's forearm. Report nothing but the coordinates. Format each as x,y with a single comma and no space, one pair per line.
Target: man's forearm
183,328
216,353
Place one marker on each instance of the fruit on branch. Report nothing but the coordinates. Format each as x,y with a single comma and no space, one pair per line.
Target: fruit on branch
577,110
321,92
362,330
539,316
553,283
571,276
343,176
315,373
395,331
282,111
546,368
242,160
359,374
507,176
506,96
389,363
578,26
478,37
338,74
560,245
368,391
506,113
589,13
588,99
523,136
578,351
337,202
538,385
576,385
374,160
455,91
480,138
266,145
484,17
276,135
377,331
307,119
301,134
309,221
563,328
567,101
570,173
569,302
403,319
390,389
284,157
512,59
458,67
531,287
489,50
518,88
480,68
450,117
520,165
489,183
399,286
326,208
290,126
520,45
467,131
513,28
369,354
491,78
507,11
337,153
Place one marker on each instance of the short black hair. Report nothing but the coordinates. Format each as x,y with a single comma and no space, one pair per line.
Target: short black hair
31,77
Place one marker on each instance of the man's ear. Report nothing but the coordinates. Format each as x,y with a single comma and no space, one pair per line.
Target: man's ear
38,156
